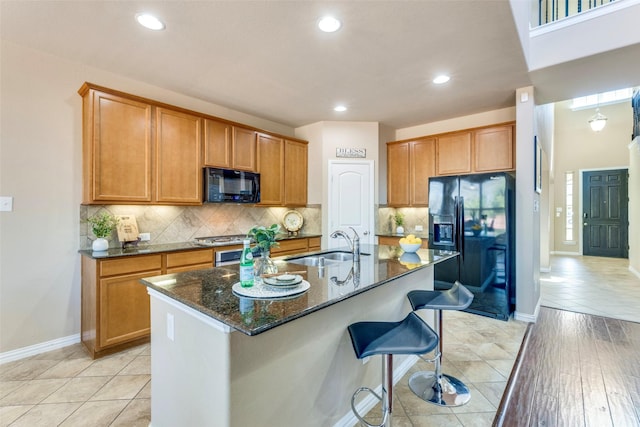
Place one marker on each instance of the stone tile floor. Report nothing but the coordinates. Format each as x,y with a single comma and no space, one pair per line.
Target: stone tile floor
66,388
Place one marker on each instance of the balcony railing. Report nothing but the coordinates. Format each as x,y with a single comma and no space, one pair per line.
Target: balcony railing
554,10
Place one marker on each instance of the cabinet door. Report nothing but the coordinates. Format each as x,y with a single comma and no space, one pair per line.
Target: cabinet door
178,168
453,154
493,148
270,167
295,173
124,309
117,149
423,166
217,144
398,174
244,149
290,246
200,257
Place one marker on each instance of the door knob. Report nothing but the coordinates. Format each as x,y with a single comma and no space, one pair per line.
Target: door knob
584,223
366,233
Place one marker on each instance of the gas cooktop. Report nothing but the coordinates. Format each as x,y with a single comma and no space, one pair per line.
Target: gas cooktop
235,239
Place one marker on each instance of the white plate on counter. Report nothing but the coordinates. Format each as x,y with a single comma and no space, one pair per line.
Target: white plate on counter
283,281
270,292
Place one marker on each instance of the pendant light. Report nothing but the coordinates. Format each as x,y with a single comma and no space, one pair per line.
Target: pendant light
598,121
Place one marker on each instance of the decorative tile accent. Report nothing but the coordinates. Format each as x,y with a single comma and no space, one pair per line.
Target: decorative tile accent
412,217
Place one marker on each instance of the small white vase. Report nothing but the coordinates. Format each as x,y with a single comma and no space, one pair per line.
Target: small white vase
399,229
100,244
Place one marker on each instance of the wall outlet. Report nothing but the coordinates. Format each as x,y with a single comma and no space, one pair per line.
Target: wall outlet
6,204
170,326
144,237
418,228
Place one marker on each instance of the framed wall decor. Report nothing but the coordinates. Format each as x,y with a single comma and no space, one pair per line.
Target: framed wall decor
537,165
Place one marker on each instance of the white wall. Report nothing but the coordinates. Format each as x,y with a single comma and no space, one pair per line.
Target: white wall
41,167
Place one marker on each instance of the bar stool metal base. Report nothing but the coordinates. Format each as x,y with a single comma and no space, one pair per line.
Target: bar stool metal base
450,391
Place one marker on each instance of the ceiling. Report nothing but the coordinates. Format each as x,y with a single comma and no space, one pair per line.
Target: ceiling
267,58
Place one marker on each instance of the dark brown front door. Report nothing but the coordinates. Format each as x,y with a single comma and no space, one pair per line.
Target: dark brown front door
605,215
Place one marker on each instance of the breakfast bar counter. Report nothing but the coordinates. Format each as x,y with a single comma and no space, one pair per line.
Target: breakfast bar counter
222,360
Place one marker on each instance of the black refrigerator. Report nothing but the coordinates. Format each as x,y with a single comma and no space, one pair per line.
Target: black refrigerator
475,215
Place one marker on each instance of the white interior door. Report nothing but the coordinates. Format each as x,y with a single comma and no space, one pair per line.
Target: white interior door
351,195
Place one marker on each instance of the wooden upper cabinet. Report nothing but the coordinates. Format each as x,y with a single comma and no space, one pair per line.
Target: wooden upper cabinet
217,144
116,148
398,174
271,169
295,173
453,153
422,166
178,168
244,149
493,149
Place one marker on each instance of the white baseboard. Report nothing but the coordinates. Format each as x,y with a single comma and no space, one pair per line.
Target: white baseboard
545,269
525,317
366,404
565,253
634,271
32,350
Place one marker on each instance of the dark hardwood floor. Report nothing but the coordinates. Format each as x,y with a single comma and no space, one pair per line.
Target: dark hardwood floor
574,369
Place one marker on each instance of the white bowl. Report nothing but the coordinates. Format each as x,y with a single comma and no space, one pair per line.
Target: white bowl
410,247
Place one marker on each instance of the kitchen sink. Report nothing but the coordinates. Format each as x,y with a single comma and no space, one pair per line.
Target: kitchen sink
333,257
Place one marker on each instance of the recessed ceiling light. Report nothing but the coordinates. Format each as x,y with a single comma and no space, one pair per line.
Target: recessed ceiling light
149,21
442,78
329,24
340,108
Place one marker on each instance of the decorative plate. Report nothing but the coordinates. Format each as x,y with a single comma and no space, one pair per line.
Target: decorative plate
292,221
270,292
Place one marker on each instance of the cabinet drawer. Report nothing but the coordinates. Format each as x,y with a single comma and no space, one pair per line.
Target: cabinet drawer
179,259
314,243
289,246
130,265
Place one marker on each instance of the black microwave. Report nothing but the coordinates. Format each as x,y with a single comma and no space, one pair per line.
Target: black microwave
231,186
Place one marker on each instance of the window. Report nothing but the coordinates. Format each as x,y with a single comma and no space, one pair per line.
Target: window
605,98
568,222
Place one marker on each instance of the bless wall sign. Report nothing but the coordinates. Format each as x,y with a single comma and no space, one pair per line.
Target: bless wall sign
351,152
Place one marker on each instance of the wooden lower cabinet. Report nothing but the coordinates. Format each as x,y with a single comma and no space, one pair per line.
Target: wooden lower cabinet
115,305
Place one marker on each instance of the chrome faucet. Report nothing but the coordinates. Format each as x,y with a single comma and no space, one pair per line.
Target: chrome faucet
354,244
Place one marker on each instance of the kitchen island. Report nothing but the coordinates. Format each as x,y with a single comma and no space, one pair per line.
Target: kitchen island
221,360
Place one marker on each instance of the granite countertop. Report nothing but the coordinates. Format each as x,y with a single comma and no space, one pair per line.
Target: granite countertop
209,291
143,249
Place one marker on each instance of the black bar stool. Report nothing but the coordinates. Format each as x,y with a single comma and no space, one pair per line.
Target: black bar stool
409,336
436,387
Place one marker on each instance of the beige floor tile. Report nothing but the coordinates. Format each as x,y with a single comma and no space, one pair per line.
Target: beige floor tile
492,391
136,414
78,389
439,420
141,365
66,368
75,351
27,370
9,414
479,371
477,419
33,392
477,403
122,387
96,414
46,415
7,387
145,393
109,365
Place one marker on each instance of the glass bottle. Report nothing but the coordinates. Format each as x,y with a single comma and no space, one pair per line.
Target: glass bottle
246,265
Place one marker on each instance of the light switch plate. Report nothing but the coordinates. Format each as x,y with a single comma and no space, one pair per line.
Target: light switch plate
6,203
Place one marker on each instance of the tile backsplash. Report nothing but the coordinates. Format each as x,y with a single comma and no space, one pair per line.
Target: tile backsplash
174,224
412,217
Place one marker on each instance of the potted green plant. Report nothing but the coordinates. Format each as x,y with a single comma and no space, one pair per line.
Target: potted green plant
398,219
264,239
102,226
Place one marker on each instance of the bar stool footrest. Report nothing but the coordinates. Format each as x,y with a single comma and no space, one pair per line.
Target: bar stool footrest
357,414
445,391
